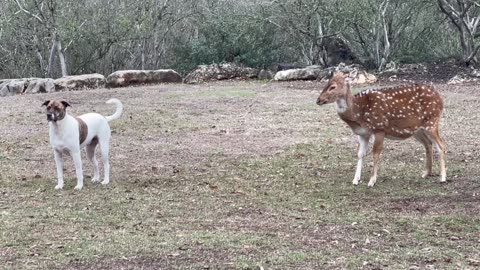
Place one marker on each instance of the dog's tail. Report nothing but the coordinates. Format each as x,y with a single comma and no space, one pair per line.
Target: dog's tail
119,110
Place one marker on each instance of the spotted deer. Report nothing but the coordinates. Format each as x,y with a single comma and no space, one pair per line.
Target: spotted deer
396,113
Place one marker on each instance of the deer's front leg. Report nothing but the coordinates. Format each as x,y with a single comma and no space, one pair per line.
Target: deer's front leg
377,149
362,152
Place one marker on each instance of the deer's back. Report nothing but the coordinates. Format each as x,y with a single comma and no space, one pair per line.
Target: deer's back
399,111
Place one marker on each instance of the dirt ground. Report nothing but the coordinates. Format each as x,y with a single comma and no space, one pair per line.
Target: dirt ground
236,175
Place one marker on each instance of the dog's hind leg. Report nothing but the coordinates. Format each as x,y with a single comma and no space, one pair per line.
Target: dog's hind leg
78,168
91,156
104,147
59,162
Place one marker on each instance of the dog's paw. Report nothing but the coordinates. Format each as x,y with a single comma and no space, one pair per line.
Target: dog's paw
78,187
105,182
58,187
95,179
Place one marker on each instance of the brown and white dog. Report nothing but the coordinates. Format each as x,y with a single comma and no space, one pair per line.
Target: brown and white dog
69,134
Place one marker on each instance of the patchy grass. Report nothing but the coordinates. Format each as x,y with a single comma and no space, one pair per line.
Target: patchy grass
237,175
226,92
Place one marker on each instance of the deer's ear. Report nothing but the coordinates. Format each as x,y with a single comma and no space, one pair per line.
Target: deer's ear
45,103
339,74
331,74
348,79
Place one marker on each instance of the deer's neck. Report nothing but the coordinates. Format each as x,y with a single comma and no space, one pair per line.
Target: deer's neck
346,107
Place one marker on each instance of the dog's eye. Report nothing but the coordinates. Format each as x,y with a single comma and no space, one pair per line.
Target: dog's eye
48,107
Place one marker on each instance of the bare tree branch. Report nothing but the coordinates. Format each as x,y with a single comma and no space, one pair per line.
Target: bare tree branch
27,12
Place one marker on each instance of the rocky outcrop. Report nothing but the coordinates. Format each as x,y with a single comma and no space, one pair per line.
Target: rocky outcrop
354,72
13,87
308,73
40,86
287,66
405,68
265,74
462,77
131,77
216,72
86,81
338,51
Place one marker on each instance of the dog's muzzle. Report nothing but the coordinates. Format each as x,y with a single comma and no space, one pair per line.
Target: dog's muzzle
50,117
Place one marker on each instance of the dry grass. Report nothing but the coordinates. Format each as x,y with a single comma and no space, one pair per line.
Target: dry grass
235,175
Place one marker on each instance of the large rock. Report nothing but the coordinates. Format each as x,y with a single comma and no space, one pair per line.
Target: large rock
308,73
13,87
464,77
86,81
131,77
26,86
355,73
40,86
287,66
265,74
216,72
338,51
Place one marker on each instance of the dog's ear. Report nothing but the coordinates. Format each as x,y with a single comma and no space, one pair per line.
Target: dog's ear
46,103
66,104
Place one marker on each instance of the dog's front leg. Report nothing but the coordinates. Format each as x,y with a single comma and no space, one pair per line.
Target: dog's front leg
59,162
78,168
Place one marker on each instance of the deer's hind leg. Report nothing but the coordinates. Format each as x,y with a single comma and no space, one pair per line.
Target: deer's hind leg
377,150
427,143
434,135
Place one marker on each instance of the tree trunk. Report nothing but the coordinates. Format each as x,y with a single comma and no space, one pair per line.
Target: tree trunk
41,62
144,45
51,58
61,57
386,45
464,16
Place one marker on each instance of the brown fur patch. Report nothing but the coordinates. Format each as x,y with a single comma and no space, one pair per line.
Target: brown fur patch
83,129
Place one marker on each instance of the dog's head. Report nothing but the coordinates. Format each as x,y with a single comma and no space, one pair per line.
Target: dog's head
56,109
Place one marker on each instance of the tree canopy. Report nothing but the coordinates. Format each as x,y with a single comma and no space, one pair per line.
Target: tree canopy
51,38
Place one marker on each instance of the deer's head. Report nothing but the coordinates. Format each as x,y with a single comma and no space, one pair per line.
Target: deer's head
336,89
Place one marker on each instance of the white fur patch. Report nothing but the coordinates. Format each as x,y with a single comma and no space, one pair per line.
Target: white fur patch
341,105
361,131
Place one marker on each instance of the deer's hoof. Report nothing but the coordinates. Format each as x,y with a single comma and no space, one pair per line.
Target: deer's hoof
371,183
426,174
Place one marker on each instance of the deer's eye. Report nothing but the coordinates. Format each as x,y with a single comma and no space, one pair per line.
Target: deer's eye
333,87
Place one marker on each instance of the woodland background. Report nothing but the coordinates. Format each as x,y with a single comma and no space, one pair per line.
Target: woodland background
51,38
